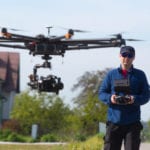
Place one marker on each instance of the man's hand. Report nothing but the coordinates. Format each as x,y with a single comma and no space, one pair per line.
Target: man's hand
130,100
113,99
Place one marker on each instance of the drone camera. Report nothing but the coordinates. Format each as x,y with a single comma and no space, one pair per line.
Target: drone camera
47,84
50,84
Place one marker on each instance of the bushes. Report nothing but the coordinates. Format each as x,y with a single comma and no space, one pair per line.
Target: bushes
80,137
11,125
14,137
82,143
7,135
4,134
49,138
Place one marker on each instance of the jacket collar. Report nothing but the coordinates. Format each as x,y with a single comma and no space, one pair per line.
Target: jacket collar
129,71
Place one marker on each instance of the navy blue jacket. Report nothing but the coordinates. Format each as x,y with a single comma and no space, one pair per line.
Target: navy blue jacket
125,114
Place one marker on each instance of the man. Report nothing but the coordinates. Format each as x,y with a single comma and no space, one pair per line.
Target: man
124,90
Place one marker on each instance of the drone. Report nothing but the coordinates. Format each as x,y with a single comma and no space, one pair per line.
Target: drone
48,46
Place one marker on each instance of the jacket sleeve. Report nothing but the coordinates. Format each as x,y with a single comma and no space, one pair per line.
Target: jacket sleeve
105,90
144,95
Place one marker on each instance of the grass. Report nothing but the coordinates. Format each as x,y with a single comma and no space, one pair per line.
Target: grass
31,147
93,143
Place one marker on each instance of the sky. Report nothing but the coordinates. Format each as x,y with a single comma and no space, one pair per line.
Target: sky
101,17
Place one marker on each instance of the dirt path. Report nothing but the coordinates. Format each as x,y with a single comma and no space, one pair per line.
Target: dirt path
144,146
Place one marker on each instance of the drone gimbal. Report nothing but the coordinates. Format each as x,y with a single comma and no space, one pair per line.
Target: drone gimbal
51,83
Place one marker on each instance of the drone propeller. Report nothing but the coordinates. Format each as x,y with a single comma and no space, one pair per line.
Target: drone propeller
79,31
119,36
134,40
5,33
13,29
74,30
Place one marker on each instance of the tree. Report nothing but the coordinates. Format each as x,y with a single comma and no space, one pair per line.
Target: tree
92,111
48,111
88,82
26,110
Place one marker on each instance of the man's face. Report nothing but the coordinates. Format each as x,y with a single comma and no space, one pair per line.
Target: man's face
126,59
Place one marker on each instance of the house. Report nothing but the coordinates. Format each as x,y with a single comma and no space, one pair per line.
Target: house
9,82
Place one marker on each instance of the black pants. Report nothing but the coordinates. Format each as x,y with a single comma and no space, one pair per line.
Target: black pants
116,134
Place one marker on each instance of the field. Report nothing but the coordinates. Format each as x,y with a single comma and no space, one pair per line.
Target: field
32,147
94,143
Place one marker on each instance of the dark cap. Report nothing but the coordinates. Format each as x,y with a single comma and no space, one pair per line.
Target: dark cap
127,49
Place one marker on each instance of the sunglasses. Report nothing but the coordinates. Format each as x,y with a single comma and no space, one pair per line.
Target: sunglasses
129,55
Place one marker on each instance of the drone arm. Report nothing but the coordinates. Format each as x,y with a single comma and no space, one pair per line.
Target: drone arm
17,36
91,46
103,41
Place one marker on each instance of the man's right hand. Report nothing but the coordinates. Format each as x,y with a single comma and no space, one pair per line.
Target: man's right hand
113,101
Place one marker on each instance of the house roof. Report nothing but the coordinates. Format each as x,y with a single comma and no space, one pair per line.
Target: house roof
9,71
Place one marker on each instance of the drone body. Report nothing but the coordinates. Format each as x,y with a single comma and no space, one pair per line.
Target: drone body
41,45
52,46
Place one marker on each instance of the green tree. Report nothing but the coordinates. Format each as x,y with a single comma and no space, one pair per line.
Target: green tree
26,111
48,111
92,111
88,82
55,115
